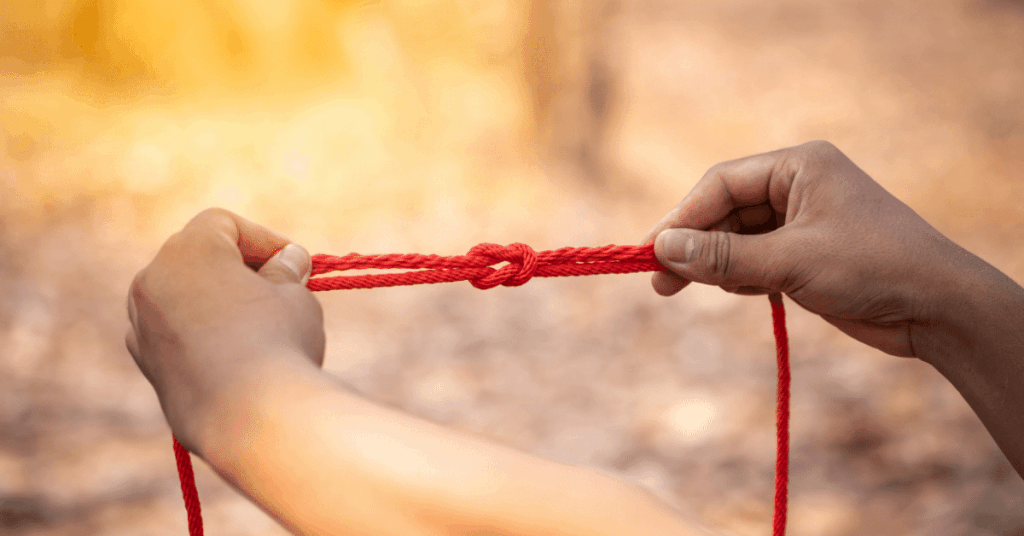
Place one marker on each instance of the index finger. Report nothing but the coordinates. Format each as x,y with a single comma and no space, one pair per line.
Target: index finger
254,242
744,182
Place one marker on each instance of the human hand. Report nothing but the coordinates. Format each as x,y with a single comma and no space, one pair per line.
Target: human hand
223,300
807,222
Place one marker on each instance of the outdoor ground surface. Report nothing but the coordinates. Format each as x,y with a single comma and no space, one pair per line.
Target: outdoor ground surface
440,129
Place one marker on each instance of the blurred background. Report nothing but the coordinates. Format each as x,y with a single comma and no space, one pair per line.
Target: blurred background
432,125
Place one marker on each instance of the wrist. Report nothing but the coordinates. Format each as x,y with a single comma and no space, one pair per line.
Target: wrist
973,314
956,301
221,413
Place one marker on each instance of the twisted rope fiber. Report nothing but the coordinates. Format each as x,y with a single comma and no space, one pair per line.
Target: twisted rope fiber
523,264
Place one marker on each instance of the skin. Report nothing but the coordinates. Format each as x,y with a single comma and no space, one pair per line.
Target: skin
807,222
838,244
225,330
233,344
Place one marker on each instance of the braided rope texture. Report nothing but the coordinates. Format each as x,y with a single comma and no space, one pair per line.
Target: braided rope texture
188,489
523,264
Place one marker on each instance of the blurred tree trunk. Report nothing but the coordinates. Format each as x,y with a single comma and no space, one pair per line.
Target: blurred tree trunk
573,81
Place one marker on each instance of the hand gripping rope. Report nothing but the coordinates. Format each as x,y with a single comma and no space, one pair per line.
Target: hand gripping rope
523,264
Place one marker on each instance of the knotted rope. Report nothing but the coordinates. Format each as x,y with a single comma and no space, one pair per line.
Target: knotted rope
523,264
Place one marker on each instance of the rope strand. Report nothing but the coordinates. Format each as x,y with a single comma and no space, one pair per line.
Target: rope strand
188,489
523,264
781,415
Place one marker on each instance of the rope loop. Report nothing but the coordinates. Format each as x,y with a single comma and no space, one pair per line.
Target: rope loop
521,267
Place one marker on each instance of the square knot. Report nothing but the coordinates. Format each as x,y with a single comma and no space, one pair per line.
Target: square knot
522,265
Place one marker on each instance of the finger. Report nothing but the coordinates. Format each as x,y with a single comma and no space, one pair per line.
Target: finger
131,340
746,182
130,304
132,343
668,283
290,265
745,290
751,291
754,216
255,242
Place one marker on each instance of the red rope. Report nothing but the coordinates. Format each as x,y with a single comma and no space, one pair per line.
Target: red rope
781,415
523,264
188,489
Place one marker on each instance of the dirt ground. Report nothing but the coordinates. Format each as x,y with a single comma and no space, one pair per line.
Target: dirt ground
433,126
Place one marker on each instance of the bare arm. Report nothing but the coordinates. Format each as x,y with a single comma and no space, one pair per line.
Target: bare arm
978,345
235,357
324,461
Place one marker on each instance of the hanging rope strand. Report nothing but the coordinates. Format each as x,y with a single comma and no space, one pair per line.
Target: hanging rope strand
523,264
781,415
188,489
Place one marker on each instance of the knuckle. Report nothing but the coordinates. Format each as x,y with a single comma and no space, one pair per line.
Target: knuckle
176,240
208,224
820,150
713,174
716,172
138,286
214,217
173,248
718,255
820,145
143,290
214,213
818,157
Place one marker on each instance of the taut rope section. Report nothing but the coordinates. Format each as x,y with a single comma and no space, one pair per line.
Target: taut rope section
523,264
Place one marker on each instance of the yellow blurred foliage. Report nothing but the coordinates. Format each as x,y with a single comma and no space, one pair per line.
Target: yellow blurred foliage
319,107
191,45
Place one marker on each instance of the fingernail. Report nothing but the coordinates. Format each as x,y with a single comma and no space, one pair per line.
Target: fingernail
678,244
297,260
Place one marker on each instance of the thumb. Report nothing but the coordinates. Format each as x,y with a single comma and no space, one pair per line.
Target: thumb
290,265
723,259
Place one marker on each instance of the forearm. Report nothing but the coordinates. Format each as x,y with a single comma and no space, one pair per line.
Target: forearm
979,347
309,453
324,461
